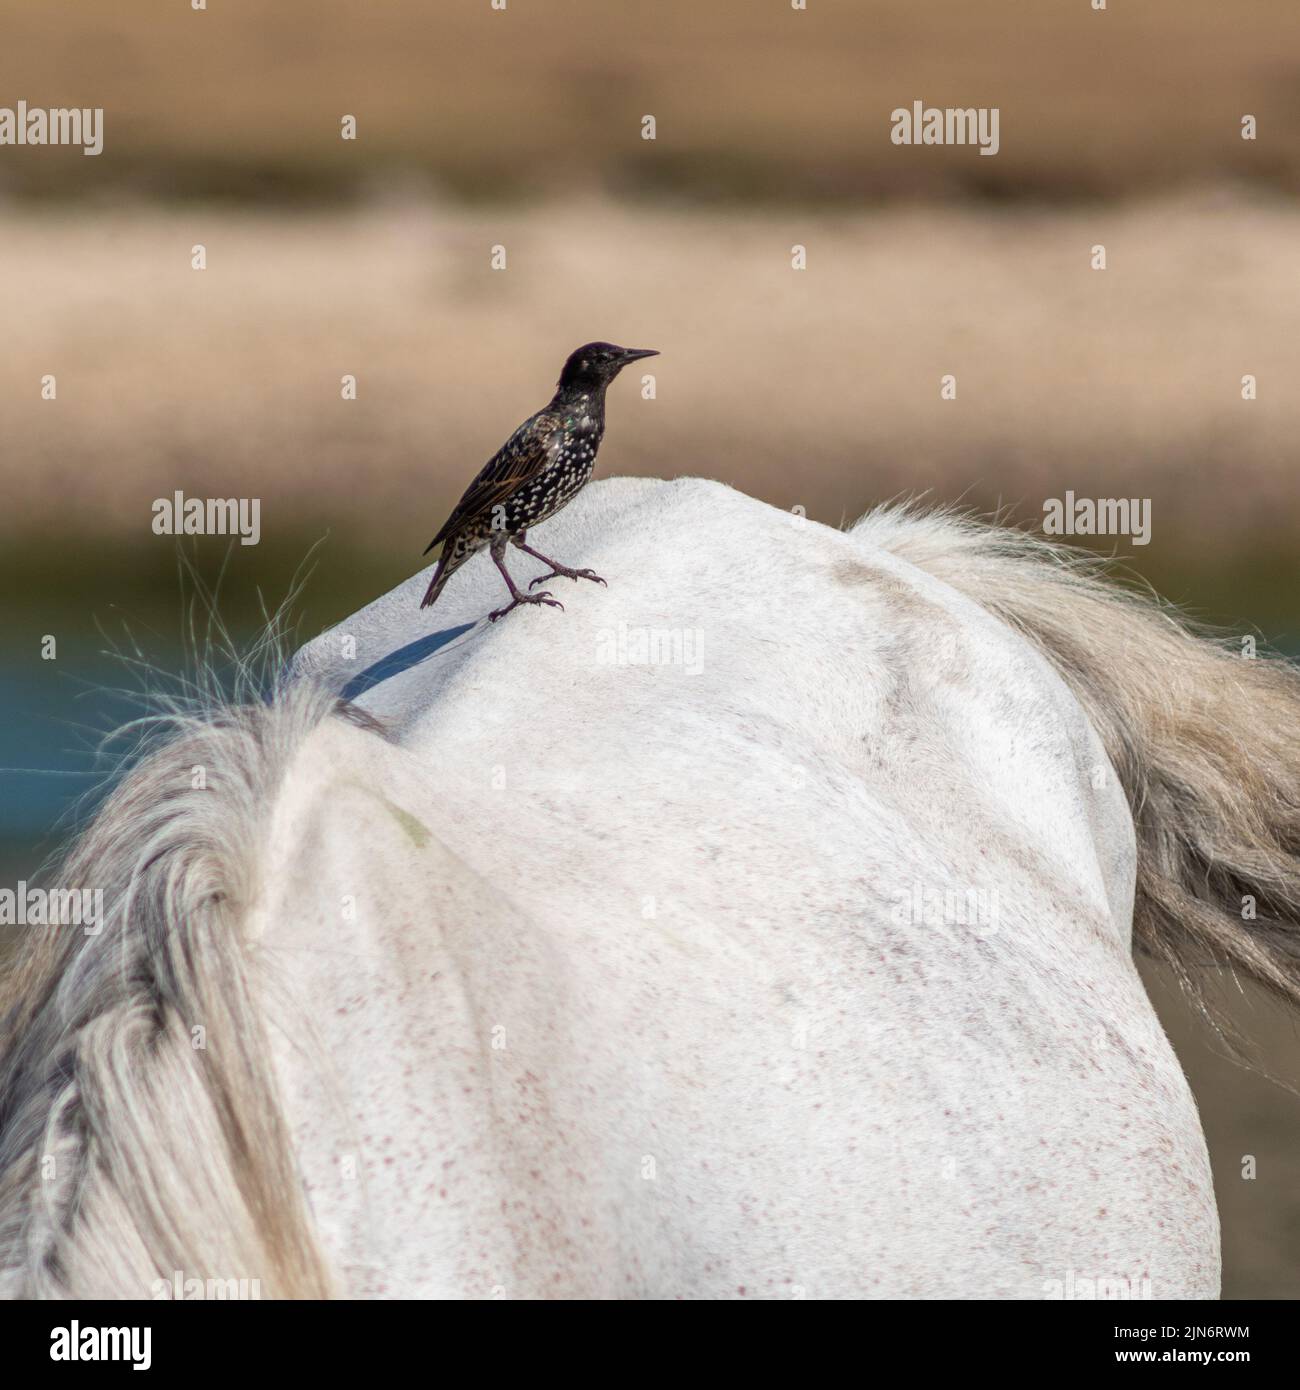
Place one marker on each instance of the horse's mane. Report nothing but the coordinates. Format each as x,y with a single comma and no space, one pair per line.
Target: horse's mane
140,1129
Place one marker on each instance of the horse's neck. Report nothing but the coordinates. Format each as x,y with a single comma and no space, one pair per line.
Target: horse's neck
404,977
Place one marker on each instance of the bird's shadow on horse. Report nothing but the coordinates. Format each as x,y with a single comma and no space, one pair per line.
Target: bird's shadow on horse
402,659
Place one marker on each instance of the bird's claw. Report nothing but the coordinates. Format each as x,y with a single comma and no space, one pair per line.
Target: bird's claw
543,597
569,574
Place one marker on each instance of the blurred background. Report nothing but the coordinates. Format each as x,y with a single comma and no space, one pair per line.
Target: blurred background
522,128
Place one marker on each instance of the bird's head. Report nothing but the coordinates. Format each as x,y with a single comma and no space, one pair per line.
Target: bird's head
595,365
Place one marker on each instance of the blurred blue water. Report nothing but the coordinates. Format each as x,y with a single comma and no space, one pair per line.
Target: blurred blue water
51,719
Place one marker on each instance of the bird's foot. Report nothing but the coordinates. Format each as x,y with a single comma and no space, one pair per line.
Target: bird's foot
543,597
564,572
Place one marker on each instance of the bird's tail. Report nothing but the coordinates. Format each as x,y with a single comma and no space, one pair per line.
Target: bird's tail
446,564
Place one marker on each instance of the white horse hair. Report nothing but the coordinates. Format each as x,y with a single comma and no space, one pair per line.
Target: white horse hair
535,969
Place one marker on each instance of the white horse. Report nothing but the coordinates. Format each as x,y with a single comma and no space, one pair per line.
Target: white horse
758,926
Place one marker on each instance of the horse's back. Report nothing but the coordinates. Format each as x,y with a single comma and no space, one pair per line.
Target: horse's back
759,925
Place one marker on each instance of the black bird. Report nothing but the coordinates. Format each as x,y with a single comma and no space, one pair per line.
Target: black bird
543,465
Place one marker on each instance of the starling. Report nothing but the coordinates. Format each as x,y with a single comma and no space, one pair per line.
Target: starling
543,465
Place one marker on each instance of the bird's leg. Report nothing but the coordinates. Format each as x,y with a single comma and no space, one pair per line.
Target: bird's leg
557,569
499,560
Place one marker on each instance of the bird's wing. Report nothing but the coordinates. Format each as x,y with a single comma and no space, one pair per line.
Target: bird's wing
521,458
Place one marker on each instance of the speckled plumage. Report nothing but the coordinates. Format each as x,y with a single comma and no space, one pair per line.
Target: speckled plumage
543,465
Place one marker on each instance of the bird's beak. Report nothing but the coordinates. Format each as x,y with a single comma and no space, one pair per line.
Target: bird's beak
632,354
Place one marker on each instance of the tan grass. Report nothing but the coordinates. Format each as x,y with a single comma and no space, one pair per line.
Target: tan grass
818,388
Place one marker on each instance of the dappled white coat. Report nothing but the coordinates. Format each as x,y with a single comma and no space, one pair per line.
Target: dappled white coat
628,978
